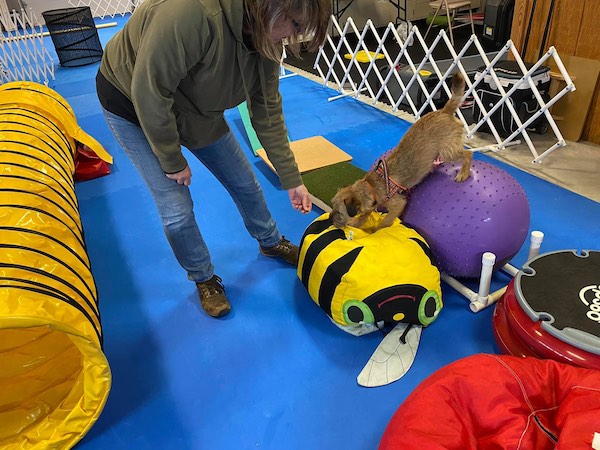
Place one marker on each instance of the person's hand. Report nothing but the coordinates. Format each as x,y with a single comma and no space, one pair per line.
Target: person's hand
184,177
300,199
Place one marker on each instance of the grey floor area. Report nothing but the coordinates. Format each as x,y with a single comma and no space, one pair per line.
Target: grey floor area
576,166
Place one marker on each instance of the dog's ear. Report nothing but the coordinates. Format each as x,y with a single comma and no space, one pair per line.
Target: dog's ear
351,206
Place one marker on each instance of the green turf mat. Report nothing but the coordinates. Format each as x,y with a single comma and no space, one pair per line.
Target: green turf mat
323,183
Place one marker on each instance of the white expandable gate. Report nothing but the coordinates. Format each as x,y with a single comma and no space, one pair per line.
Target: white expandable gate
333,67
4,11
104,8
23,56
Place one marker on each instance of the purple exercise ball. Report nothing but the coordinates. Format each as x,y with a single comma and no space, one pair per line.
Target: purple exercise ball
489,212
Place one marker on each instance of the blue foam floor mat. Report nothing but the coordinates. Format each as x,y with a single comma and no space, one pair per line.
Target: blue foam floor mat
276,373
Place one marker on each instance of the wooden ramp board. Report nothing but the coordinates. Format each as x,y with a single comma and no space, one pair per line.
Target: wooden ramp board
252,137
312,153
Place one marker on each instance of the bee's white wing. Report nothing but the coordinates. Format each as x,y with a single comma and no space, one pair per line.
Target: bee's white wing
393,357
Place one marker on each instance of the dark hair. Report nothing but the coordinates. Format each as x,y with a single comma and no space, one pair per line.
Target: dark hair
260,16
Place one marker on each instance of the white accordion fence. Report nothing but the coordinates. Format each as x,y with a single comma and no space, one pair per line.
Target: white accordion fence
104,8
338,62
23,56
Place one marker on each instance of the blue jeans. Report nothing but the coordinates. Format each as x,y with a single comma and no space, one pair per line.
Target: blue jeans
228,163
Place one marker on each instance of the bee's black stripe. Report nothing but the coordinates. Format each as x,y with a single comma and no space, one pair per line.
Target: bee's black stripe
333,276
426,250
315,249
317,227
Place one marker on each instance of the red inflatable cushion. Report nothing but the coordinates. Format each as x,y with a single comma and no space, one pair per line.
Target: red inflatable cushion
88,165
487,402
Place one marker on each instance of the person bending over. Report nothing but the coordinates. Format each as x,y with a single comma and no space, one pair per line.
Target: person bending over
165,81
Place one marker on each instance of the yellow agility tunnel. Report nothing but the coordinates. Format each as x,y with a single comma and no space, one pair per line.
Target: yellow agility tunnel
54,376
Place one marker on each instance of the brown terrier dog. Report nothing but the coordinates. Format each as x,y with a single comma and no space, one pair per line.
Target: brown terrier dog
437,135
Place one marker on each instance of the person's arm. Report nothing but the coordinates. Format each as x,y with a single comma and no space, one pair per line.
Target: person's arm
172,44
268,122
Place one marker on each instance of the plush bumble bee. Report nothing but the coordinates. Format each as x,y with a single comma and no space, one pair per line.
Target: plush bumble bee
361,276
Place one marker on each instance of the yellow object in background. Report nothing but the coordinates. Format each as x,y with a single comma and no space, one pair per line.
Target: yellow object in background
363,57
54,376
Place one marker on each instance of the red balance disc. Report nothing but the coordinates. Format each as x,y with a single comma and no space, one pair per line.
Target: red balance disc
551,309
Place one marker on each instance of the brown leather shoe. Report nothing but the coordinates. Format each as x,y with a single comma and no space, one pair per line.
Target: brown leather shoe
284,250
212,297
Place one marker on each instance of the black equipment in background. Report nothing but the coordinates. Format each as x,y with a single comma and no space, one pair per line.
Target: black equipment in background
522,99
497,21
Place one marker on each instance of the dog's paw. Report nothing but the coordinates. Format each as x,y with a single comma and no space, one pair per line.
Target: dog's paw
460,178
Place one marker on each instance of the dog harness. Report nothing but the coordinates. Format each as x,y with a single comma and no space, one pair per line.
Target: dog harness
392,187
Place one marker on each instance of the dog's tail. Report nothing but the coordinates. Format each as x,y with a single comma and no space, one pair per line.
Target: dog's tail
458,89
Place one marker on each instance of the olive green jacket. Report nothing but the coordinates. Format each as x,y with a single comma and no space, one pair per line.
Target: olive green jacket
182,63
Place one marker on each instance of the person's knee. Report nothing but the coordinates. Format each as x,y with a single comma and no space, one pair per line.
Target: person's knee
177,219
249,186
176,214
